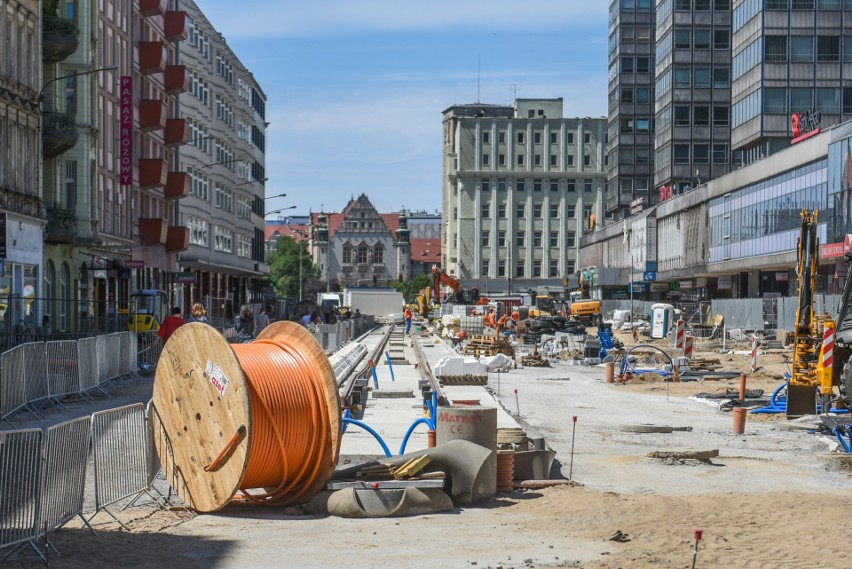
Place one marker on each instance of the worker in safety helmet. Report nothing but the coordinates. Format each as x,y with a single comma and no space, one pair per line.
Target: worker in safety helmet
408,316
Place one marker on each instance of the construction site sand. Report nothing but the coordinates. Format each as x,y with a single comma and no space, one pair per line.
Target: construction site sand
764,502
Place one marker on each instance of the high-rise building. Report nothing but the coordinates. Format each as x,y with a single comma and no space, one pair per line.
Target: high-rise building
630,134
789,56
521,185
224,160
693,94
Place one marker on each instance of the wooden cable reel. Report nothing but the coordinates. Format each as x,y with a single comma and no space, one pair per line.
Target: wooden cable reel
258,422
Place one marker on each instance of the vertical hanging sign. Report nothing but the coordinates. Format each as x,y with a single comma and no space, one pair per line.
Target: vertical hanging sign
126,130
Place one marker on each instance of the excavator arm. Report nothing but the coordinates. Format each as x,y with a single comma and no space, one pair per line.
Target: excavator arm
439,278
809,370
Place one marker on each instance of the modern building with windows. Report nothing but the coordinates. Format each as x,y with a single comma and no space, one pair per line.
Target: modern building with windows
224,108
693,94
630,135
789,56
521,185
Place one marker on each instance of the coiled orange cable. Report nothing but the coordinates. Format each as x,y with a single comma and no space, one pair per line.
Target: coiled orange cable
290,422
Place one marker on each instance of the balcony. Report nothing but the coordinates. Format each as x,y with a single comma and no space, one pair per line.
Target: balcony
59,38
177,186
174,26
59,133
176,80
152,231
152,173
152,115
177,239
152,57
150,8
177,132
61,225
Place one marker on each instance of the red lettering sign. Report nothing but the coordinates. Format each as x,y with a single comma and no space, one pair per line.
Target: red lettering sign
125,121
665,192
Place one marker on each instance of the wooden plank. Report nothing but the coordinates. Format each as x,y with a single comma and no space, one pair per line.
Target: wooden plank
411,467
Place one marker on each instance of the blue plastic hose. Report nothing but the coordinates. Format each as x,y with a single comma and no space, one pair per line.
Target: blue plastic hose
366,427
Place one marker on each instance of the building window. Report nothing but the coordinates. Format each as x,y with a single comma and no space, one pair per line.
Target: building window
485,186
554,186
682,38
486,159
702,77
803,4
775,48
801,99
828,100
721,77
70,184
587,160
347,253
721,39
501,159
520,159
570,235
553,270
537,137
519,268
702,38
627,65
702,5
520,137
587,138
362,254
537,160
643,95
643,155
485,268
554,239
828,48
570,212
569,160
485,239
501,211
519,211
553,160
570,138
486,210
501,185
587,186
537,210
681,154
569,266
519,239
572,186
501,137
701,154
847,100
682,78
223,239
554,211
501,238
536,268
722,5
519,185
486,137
501,268
553,137
721,116
802,48
536,238
683,4
702,116
643,65
378,254
720,154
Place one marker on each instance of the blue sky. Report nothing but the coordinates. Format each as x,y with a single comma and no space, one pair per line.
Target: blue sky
356,87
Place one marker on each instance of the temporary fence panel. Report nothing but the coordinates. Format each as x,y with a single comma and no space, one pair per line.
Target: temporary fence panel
13,389
87,363
113,355
102,353
120,454
63,482
35,371
20,483
126,366
62,367
149,348
744,313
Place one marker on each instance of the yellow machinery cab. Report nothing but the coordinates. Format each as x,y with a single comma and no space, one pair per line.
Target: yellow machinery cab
147,309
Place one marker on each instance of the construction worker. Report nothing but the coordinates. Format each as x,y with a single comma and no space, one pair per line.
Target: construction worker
491,322
408,316
473,311
501,324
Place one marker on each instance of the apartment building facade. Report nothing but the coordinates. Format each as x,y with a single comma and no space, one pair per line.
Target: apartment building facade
522,184
225,163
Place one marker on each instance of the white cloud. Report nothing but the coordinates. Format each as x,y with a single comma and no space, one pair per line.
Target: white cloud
296,18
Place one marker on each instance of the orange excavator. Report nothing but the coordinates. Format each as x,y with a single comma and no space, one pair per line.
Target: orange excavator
462,295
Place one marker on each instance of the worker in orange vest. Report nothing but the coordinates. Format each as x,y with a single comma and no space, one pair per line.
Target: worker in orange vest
501,323
408,316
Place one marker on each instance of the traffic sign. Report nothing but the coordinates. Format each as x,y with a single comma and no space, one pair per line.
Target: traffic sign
649,276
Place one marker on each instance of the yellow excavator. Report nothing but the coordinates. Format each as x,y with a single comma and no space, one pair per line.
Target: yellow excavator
424,301
812,374
148,307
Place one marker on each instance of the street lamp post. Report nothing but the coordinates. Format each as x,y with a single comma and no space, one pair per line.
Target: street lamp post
273,197
280,210
301,246
69,75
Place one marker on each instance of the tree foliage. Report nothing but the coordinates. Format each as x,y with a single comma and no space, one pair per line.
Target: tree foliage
410,289
284,265
315,285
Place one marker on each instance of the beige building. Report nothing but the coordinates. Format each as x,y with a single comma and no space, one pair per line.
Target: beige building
520,186
22,216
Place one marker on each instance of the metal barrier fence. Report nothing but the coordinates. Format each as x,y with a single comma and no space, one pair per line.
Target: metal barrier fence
149,348
13,389
87,364
63,372
119,445
63,489
34,371
20,484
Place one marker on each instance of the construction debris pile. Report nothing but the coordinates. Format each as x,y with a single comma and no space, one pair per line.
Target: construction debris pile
389,471
488,346
535,359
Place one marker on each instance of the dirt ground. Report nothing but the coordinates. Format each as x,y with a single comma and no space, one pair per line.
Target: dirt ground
763,502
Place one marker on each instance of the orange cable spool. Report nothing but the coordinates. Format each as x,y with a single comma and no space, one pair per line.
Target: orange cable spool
256,423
